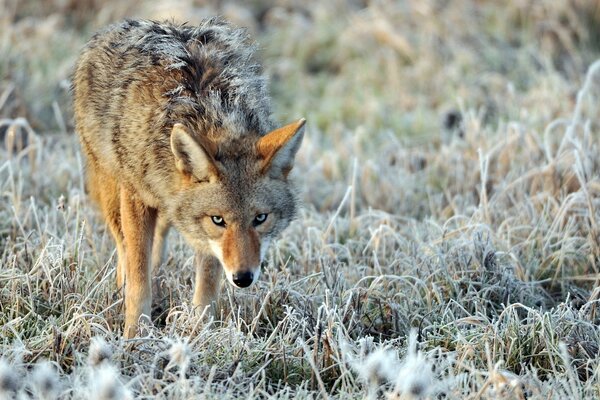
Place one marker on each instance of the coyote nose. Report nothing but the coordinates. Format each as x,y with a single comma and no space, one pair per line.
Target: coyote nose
243,279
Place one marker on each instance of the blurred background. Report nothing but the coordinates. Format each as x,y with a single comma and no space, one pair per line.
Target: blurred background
383,82
395,65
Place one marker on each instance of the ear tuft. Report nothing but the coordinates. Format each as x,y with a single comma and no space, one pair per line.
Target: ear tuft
278,148
190,157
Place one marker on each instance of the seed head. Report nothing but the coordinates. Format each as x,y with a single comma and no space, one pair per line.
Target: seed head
100,351
105,384
9,380
378,367
415,376
179,356
45,381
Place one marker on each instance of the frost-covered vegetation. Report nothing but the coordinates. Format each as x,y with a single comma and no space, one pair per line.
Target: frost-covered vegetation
449,242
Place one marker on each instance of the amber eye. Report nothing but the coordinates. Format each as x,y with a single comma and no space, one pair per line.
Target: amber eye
218,220
259,219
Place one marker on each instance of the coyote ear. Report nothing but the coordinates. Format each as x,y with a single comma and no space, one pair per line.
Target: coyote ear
191,158
278,148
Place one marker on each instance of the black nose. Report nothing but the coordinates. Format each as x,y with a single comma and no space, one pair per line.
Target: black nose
243,279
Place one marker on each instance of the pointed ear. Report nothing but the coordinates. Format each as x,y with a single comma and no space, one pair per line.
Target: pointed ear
191,158
278,148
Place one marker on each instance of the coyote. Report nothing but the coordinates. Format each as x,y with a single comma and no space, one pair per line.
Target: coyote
175,123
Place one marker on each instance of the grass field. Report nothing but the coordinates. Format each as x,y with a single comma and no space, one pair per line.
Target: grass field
449,242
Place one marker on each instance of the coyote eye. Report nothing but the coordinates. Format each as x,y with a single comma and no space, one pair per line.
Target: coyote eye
259,219
217,220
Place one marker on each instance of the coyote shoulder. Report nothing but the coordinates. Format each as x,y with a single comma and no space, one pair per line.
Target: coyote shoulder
175,122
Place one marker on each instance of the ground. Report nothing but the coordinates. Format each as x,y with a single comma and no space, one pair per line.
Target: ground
448,244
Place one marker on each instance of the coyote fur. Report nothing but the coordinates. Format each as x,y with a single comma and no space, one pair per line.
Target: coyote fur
175,123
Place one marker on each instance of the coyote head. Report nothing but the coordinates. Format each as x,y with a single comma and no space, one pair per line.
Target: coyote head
235,196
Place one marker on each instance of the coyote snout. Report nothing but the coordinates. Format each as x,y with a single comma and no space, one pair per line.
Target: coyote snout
175,122
240,252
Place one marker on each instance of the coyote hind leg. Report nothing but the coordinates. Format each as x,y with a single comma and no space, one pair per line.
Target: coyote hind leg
138,225
160,241
105,191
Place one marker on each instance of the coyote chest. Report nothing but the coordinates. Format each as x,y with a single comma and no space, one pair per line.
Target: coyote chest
175,123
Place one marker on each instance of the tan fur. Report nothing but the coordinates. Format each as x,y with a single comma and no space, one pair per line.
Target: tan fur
208,280
270,144
241,248
138,223
160,241
175,125
106,191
